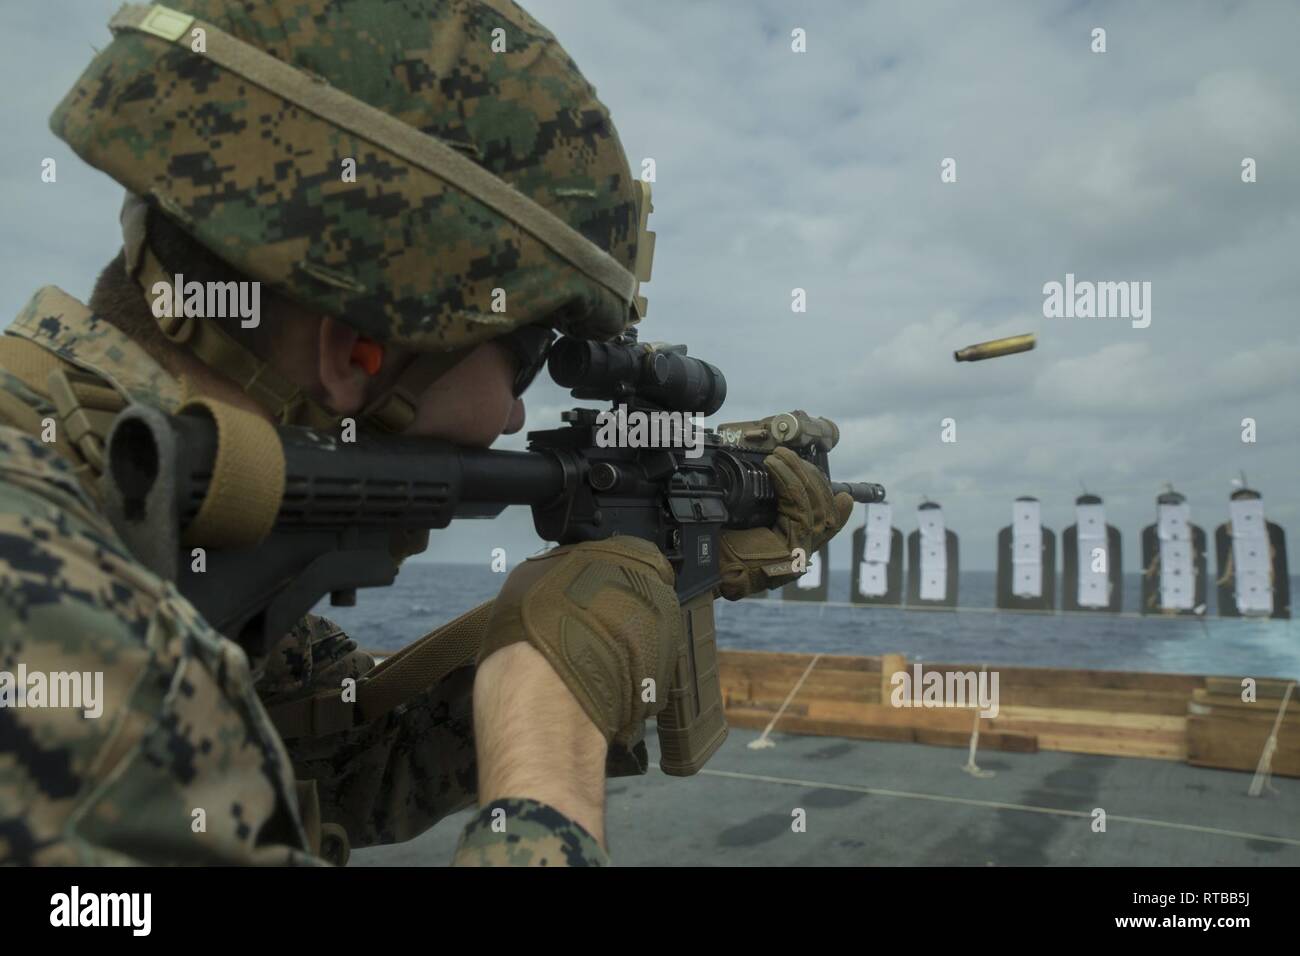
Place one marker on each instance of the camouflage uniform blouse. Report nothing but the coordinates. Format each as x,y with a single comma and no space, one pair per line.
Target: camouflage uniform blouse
182,764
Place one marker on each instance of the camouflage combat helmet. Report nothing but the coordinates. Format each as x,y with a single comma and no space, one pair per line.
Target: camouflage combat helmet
434,174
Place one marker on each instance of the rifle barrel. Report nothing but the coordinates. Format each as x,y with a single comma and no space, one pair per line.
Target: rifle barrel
865,492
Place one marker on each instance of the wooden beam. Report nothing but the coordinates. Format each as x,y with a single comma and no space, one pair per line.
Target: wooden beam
1018,743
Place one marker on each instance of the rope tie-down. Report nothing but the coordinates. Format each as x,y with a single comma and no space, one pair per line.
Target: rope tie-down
1264,769
763,741
971,767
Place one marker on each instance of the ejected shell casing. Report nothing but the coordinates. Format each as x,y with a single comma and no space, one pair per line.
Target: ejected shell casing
998,347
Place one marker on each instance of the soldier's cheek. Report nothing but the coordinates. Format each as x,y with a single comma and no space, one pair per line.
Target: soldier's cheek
472,404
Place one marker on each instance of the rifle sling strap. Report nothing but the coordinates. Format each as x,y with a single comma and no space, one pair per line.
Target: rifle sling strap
400,678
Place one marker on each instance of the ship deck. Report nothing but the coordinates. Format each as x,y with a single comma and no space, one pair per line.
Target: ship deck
903,804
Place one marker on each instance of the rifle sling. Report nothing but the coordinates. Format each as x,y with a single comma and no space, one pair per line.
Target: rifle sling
400,678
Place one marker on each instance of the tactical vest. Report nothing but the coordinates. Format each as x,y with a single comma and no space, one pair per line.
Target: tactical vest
62,366
66,375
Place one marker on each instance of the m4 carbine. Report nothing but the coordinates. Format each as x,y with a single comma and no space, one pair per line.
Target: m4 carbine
343,503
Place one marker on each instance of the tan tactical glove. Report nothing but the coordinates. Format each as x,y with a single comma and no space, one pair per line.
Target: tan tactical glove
808,516
606,618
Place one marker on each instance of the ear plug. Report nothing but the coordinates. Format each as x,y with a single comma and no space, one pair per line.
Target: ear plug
369,355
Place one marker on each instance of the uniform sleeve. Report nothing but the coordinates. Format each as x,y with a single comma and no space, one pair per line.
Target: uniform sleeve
130,731
388,780
521,832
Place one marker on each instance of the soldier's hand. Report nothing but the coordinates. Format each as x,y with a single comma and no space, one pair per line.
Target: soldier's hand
606,618
808,516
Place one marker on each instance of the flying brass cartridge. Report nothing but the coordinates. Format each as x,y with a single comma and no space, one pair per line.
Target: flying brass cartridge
997,348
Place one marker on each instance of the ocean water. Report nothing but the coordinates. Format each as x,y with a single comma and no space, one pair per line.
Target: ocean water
426,595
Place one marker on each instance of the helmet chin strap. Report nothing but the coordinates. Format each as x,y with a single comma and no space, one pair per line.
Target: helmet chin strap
394,409
391,410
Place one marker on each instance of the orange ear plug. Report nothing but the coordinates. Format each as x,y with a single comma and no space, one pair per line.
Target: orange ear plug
369,354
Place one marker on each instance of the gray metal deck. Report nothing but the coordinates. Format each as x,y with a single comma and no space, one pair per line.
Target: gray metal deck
870,803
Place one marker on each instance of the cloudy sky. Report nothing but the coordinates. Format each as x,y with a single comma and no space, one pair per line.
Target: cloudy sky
820,170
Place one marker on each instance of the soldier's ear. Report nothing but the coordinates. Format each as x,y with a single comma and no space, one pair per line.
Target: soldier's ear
343,379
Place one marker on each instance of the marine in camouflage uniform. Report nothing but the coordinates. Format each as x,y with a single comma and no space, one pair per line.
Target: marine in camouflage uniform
182,728
184,764
484,165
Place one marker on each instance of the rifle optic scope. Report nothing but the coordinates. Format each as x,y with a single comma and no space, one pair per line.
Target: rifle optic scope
613,371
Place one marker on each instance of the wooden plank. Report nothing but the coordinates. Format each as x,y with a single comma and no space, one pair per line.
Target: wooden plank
885,715
1019,743
1099,735
765,706
1151,750
1261,709
843,662
1265,688
1162,716
772,695
758,677
1176,723
1096,699
778,685
783,671
1020,676
836,687
757,665
989,740
890,664
1072,678
1237,744
800,725
1147,736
